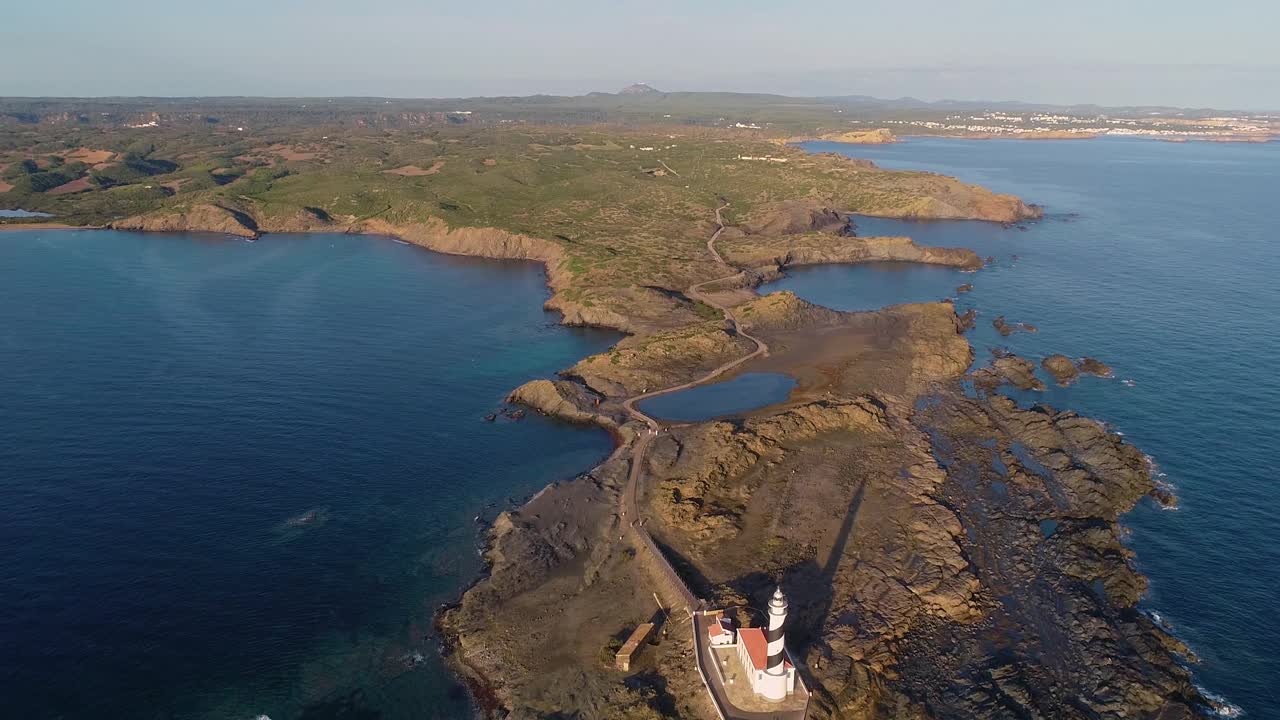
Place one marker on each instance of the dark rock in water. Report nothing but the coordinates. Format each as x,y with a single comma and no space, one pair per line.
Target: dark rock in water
1009,368
491,417
1006,329
964,288
990,259
517,415
1061,368
305,518
1092,366
308,519
966,321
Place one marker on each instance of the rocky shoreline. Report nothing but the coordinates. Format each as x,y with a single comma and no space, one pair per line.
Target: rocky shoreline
948,555
867,653
1007,524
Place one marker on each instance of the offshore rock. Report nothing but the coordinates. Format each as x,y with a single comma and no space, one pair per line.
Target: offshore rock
1061,368
1008,368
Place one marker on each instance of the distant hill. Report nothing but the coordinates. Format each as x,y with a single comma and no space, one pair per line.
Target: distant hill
638,104
638,89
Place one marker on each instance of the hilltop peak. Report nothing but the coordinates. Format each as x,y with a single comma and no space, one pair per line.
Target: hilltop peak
638,89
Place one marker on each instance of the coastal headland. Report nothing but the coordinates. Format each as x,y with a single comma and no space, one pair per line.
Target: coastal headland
947,554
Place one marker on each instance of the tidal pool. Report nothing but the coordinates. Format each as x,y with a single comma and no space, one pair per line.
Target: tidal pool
746,392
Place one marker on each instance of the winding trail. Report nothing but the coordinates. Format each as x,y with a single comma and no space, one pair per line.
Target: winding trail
629,508
695,292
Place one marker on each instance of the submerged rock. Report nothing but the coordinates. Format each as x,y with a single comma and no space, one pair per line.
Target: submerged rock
1006,328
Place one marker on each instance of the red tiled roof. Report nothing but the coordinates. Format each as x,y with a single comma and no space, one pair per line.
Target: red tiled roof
757,647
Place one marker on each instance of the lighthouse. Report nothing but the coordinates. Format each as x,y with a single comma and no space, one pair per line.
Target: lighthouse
774,684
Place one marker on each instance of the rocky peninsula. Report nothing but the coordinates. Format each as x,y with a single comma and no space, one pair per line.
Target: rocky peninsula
948,554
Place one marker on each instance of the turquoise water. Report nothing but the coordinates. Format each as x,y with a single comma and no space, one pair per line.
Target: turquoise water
1160,259
741,394
22,214
237,478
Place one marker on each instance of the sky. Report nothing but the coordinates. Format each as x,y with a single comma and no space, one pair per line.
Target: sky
1112,52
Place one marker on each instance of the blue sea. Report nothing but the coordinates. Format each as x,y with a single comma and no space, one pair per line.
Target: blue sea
1161,260
237,478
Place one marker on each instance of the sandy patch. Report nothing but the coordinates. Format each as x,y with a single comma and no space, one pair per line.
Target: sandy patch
74,186
5,187
490,162
89,156
415,171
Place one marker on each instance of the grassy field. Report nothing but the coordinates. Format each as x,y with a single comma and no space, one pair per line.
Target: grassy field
630,209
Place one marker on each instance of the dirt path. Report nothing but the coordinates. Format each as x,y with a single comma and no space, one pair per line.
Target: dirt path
629,507
695,292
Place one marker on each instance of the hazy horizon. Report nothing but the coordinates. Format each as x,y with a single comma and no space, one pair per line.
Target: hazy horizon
1093,52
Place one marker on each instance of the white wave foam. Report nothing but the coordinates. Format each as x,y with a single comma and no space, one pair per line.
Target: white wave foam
1220,706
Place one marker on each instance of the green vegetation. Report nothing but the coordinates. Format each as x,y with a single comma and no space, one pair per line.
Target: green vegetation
630,208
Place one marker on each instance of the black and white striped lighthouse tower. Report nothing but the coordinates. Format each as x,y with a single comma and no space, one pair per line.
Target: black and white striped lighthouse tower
774,686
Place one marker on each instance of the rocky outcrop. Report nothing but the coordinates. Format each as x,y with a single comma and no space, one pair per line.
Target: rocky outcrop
817,250
1008,368
197,218
1006,328
642,363
792,217
435,234
1066,371
1061,368
1092,366
700,497
879,136
1038,493
564,399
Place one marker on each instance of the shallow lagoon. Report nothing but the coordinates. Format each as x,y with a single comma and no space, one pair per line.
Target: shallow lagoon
743,393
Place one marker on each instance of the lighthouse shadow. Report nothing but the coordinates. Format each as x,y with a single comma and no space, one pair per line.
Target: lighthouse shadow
808,585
